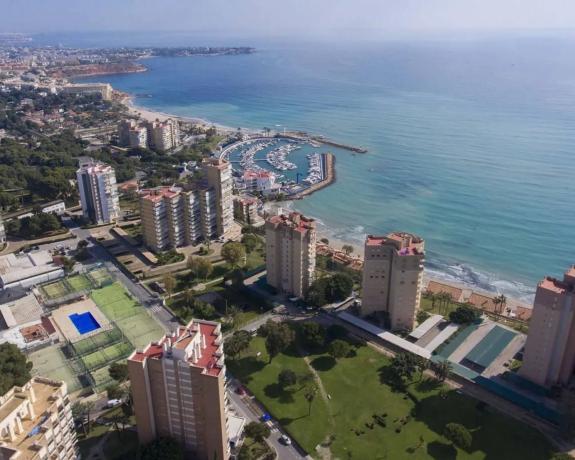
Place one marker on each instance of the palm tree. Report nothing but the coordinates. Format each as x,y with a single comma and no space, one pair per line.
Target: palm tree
499,301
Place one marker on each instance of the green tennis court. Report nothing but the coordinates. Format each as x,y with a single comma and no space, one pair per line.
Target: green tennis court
107,355
54,290
95,342
485,352
79,283
50,362
99,276
136,324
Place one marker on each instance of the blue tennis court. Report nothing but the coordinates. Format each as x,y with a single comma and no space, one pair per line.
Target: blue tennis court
84,322
485,352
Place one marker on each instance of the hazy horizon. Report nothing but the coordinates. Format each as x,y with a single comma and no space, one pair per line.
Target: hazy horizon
360,19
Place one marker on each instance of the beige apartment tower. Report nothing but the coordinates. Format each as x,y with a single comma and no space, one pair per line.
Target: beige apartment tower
549,357
172,217
290,253
36,422
392,278
178,388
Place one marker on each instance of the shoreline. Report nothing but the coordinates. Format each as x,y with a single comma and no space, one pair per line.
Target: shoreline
338,243
151,115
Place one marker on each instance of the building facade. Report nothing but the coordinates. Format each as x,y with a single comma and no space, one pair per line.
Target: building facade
36,422
172,217
392,278
103,89
290,253
98,192
246,209
549,357
163,135
178,389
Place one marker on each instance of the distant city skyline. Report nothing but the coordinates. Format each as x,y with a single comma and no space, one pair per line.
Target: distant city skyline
366,18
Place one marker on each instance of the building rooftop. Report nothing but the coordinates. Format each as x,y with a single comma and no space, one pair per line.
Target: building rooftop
407,244
554,285
216,162
158,193
251,174
199,343
43,395
294,220
94,167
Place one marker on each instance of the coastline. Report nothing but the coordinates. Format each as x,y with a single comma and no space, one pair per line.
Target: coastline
128,101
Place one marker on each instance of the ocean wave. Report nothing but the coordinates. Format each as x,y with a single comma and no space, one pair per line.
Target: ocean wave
467,275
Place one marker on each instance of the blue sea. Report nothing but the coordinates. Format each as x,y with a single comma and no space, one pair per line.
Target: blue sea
471,141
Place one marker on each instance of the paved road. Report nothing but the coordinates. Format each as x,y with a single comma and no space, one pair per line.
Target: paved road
144,297
247,408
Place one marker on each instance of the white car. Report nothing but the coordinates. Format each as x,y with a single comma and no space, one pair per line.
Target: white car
285,440
113,403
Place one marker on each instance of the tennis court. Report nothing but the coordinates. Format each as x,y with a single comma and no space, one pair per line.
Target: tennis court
455,341
97,341
485,352
136,324
79,283
50,362
106,356
101,378
99,277
54,290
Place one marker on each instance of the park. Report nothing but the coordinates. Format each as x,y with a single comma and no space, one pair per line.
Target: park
357,410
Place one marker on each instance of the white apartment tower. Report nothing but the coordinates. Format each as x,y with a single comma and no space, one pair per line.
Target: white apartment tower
392,278
163,135
98,192
290,253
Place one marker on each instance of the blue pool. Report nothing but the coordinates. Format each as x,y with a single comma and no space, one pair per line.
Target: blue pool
84,322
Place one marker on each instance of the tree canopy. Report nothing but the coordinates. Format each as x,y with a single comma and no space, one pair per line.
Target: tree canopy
312,334
257,431
330,289
464,315
118,371
339,349
162,449
458,435
279,336
234,254
14,368
200,267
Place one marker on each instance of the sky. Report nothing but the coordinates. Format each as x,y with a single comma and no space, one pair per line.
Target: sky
367,18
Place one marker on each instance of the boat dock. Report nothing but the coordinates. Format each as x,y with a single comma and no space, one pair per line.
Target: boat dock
328,166
351,148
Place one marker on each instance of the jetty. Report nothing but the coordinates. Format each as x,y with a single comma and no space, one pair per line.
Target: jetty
328,161
351,148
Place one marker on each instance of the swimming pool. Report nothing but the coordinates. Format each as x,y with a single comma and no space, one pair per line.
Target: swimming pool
84,322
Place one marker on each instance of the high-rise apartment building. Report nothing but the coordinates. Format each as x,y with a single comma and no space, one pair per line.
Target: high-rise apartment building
36,422
178,389
290,253
132,134
219,201
392,278
246,209
163,135
172,217
98,192
549,356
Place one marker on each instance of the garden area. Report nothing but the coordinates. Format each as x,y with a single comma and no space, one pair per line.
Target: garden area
358,411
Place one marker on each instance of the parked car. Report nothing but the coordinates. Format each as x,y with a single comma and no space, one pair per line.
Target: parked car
285,440
113,403
240,390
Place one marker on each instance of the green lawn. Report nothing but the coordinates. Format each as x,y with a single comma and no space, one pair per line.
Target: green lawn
358,392
107,355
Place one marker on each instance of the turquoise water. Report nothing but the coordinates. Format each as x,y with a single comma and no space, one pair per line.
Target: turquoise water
471,144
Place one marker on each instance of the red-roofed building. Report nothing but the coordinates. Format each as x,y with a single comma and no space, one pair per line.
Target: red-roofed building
549,357
392,278
178,388
290,253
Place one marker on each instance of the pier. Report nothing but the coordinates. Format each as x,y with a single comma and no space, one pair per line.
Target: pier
329,178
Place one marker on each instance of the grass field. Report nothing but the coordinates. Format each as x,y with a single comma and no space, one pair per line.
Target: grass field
139,327
54,290
358,391
75,283
50,362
